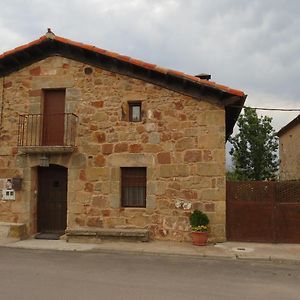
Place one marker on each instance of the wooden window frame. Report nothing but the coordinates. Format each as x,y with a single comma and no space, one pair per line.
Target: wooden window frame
133,177
130,110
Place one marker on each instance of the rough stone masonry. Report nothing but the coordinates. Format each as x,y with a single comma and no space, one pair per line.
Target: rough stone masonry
180,141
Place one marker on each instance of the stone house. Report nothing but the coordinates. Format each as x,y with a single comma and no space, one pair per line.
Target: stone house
289,150
93,140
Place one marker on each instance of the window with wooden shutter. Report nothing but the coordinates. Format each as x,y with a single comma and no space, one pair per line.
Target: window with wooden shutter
133,182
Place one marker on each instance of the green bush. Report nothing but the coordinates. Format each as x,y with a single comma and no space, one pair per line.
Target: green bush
199,221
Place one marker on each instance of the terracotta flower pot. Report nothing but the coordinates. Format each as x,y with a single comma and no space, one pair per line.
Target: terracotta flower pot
199,238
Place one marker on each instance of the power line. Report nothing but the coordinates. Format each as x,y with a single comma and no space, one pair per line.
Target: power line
265,108
276,109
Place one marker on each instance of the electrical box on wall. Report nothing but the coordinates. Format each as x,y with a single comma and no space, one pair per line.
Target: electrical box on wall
8,195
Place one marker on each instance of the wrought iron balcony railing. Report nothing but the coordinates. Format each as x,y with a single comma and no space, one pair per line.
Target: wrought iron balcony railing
42,130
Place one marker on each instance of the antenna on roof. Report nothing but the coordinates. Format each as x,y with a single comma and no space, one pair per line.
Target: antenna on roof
50,34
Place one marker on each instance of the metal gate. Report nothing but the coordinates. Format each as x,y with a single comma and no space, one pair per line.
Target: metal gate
259,211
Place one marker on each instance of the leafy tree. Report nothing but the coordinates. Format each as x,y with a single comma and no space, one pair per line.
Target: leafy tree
255,147
232,176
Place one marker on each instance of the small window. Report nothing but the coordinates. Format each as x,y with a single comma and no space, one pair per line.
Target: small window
135,111
88,71
133,182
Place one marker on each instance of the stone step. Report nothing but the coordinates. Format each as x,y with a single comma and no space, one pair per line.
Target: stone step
99,234
13,230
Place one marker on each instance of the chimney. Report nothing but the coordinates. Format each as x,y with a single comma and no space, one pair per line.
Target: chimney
204,76
50,34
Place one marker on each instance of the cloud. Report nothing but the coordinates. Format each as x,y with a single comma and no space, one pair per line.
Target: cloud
249,45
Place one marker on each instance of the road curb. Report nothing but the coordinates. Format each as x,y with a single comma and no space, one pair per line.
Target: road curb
228,257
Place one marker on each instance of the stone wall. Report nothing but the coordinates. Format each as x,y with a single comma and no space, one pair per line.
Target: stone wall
180,140
1,102
289,149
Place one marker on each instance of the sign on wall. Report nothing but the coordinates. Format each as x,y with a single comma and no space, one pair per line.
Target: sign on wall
7,191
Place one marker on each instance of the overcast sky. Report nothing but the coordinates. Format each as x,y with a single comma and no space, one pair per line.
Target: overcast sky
249,45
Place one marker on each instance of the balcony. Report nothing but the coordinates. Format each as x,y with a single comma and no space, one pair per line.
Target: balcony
41,133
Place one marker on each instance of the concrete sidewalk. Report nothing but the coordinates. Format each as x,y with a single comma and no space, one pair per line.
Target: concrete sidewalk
226,250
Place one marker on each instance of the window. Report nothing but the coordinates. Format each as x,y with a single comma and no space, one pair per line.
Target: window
135,111
133,182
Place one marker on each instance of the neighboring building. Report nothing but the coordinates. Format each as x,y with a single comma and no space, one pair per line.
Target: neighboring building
289,150
92,139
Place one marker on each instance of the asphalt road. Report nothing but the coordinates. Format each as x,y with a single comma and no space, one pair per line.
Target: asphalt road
36,274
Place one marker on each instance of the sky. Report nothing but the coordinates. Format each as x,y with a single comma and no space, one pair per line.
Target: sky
253,45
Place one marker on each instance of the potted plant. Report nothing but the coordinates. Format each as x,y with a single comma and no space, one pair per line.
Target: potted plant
199,225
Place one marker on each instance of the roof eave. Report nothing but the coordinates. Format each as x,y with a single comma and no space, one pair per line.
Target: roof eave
197,88
289,126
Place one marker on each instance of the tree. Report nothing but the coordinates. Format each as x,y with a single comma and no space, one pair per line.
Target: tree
255,147
232,176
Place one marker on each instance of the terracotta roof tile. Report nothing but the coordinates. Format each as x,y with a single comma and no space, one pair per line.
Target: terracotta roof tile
236,92
124,58
136,61
161,70
23,47
127,59
194,78
100,51
149,66
176,73
222,87
112,54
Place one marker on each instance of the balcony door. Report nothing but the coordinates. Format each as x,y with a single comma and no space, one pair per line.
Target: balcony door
53,117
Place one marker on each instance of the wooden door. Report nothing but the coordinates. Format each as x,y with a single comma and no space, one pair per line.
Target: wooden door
53,118
52,199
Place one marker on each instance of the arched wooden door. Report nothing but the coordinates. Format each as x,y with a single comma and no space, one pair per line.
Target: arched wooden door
52,199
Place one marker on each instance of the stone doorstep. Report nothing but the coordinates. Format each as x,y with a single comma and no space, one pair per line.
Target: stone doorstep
13,230
99,234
